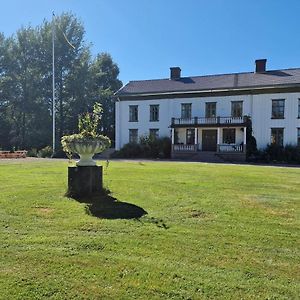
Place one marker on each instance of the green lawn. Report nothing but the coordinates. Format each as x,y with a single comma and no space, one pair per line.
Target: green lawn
212,232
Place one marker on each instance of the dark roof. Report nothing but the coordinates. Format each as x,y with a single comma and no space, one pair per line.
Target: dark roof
250,80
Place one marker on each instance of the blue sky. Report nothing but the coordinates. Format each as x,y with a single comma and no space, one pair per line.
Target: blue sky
146,37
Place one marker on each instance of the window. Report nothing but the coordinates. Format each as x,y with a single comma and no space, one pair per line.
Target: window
186,110
154,133
298,139
210,109
154,113
237,109
190,136
133,113
228,136
298,108
278,109
277,136
133,135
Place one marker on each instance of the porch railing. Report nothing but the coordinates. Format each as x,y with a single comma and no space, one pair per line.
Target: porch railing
184,148
230,148
220,148
208,121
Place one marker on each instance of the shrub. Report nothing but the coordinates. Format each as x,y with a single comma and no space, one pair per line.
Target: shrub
275,153
251,147
59,153
32,152
149,147
45,152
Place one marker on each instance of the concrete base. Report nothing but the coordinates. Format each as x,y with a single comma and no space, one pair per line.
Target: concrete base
84,180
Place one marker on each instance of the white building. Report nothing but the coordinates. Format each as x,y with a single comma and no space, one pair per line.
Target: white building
208,113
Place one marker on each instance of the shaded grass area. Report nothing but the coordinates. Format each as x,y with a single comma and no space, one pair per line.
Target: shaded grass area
211,232
104,205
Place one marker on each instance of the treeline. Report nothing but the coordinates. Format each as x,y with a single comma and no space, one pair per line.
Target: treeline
26,83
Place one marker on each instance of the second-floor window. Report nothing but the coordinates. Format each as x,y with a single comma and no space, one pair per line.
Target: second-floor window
237,109
298,108
154,113
133,113
278,109
298,137
210,109
133,135
277,136
186,110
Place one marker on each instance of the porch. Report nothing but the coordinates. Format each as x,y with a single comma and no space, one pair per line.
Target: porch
223,136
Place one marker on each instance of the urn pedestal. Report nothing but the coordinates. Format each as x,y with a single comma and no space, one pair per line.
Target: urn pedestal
84,180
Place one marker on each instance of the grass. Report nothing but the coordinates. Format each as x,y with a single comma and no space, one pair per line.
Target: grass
212,232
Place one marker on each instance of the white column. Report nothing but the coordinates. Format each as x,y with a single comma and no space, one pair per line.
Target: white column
196,139
218,138
117,128
173,129
218,135
245,138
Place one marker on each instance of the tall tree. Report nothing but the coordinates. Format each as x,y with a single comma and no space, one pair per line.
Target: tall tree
26,83
104,73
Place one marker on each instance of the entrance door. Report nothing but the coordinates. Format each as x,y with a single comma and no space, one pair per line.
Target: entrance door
209,140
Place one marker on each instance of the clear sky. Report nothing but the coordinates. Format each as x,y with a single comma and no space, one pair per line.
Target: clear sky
146,37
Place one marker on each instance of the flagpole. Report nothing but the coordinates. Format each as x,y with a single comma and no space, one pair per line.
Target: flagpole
53,86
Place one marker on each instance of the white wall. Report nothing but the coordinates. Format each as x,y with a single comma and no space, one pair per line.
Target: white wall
257,106
262,122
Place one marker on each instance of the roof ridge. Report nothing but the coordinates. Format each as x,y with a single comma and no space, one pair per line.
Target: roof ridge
213,75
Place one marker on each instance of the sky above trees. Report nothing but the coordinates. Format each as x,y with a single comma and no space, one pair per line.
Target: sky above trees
146,37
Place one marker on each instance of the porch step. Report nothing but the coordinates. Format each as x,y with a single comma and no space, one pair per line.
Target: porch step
207,156
201,156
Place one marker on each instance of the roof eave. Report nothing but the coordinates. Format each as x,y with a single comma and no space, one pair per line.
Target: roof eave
211,91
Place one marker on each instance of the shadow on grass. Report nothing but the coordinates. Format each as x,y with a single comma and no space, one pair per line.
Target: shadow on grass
103,205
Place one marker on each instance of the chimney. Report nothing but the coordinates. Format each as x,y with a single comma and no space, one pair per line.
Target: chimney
175,73
260,65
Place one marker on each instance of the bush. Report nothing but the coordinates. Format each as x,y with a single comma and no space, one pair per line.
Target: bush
275,153
32,152
45,152
59,153
148,147
251,147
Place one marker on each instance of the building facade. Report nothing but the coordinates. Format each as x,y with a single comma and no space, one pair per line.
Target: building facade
209,113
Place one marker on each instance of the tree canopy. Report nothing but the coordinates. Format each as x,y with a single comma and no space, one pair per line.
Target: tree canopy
26,83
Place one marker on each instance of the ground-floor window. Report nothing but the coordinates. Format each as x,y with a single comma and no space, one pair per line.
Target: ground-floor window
190,136
298,137
277,136
154,133
133,135
229,136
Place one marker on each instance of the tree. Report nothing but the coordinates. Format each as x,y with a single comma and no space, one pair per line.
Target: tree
26,83
105,82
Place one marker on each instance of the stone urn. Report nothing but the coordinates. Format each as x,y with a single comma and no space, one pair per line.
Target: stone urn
86,149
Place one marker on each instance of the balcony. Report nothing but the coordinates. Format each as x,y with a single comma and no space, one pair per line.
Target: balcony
208,122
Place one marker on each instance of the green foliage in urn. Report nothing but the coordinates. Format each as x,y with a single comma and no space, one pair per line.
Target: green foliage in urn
88,124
